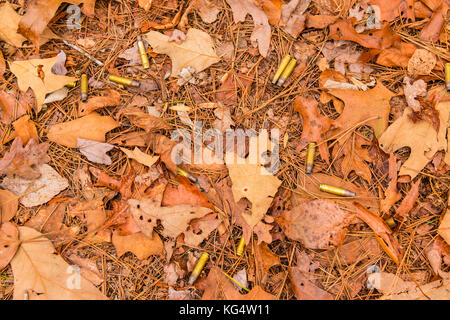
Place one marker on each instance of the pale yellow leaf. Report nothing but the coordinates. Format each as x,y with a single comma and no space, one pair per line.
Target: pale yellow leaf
140,156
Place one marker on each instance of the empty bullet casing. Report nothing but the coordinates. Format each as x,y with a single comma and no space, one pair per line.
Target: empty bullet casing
287,72
124,81
336,190
84,87
241,246
447,75
191,178
390,222
198,268
284,62
143,53
310,157
71,85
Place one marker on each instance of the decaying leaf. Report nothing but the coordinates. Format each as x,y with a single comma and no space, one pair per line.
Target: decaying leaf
175,220
432,30
392,195
95,151
28,74
9,204
40,273
264,260
356,250
9,243
144,120
261,33
184,192
408,202
38,15
11,107
444,227
22,162
318,224
272,8
255,183
304,289
91,127
38,191
139,244
88,269
314,126
25,129
292,15
197,51
421,62
112,98
140,156
235,82
145,4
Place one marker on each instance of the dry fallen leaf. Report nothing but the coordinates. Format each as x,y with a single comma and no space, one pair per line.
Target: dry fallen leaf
11,107
392,195
39,191
9,23
95,151
314,125
144,120
139,244
272,8
262,32
184,192
140,156
421,62
9,203
38,15
25,129
235,82
145,4
28,71
88,269
318,224
9,243
90,127
293,17
432,30
197,51
444,226
112,98
22,162
264,260
407,203
41,274
304,289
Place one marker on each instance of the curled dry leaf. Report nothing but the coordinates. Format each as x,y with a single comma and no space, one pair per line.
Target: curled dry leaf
144,120
385,238
112,98
9,243
38,191
9,203
408,202
262,32
9,23
40,273
91,127
314,126
38,15
95,151
318,224
138,244
28,72
272,8
432,30
22,162
197,51
396,56
175,220
12,108
140,156
434,253
391,195
25,129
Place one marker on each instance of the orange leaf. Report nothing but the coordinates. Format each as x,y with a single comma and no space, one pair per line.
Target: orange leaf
112,98
272,8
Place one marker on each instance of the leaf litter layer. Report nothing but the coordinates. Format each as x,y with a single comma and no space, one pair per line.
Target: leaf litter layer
352,92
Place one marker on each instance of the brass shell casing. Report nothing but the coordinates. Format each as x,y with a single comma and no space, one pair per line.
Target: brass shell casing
71,85
84,87
310,157
336,190
390,222
284,62
241,246
183,173
287,72
124,81
143,54
198,268
447,76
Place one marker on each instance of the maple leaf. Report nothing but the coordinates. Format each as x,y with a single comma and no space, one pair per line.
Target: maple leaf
318,224
9,23
369,108
91,127
40,273
21,161
39,13
197,51
314,125
28,72
175,220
